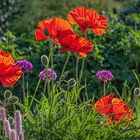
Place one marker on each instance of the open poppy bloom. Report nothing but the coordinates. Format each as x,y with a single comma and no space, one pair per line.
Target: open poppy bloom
48,28
88,18
73,43
114,109
9,73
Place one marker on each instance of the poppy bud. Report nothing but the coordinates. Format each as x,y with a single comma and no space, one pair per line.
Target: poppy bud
44,60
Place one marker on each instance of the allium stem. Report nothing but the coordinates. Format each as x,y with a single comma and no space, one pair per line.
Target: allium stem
64,67
104,87
23,88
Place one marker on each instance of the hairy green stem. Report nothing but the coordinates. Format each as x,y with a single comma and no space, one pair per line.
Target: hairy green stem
38,83
82,69
77,63
64,67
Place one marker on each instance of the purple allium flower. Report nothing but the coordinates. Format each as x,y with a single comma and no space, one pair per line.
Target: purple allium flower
51,74
18,123
3,116
13,135
104,75
26,65
42,75
7,128
21,137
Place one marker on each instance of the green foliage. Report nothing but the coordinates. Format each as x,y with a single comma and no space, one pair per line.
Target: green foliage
64,116
9,11
117,50
131,6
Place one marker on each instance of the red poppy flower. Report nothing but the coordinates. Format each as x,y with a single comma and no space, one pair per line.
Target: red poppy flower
88,18
113,108
120,111
104,104
49,28
73,43
9,73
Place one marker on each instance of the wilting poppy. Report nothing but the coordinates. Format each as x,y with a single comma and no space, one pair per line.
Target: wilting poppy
9,73
73,43
113,108
49,28
88,18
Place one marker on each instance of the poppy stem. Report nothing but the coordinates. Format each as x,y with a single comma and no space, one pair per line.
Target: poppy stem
77,80
51,83
35,92
82,69
104,88
59,82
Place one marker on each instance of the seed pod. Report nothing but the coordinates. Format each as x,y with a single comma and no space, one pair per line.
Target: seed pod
137,92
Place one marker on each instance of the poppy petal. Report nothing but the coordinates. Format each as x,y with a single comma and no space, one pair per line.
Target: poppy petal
39,35
103,105
88,18
9,75
6,58
51,26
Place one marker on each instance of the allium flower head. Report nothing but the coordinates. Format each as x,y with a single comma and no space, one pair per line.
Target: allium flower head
42,75
104,75
49,73
26,65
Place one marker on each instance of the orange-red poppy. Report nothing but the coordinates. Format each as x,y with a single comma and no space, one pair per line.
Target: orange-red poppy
73,43
114,109
9,73
88,18
49,28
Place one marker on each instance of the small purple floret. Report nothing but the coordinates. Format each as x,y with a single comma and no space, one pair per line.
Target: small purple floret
49,73
26,65
42,75
104,75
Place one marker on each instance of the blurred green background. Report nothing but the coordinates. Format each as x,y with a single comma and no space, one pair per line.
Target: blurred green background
118,50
